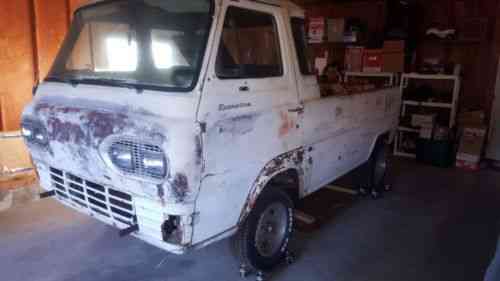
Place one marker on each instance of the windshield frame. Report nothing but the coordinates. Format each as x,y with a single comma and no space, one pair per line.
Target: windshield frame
139,86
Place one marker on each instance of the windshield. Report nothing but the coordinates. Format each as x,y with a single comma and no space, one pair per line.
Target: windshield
146,43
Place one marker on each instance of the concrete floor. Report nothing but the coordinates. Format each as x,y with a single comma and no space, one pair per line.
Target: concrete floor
438,224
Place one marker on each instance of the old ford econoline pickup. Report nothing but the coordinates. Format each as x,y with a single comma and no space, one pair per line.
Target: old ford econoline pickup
185,122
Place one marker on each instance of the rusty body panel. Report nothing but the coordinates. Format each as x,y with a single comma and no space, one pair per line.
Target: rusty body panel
222,146
80,126
292,160
77,127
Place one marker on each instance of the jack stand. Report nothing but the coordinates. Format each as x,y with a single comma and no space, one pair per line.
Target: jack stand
260,276
375,194
289,257
244,272
362,191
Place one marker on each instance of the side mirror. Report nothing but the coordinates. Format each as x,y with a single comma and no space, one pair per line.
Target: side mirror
35,88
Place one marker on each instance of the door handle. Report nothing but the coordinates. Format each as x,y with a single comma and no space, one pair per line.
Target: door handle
244,89
299,109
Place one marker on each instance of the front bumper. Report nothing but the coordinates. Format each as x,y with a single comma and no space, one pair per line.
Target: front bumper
118,208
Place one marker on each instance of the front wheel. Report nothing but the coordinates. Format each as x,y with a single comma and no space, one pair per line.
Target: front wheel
262,241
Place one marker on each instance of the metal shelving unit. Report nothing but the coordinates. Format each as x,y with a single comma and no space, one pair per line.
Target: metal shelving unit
391,77
452,106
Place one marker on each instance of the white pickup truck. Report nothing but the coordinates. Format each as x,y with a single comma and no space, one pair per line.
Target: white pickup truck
185,122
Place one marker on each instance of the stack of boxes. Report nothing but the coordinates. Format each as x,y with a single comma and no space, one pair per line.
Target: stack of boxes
473,138
433,145
390,58
393,56
426,123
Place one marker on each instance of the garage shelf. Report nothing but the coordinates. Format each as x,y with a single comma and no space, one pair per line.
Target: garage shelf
391,76
452,106
428,104
408,129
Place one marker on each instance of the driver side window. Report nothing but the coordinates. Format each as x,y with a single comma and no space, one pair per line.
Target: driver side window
301,47
249,47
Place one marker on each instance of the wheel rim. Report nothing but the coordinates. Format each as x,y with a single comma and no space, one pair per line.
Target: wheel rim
380,166
271,229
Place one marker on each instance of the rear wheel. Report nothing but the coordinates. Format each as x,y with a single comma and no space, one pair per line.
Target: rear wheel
378,167
262,241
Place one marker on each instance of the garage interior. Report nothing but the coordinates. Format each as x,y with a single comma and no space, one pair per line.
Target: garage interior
438,221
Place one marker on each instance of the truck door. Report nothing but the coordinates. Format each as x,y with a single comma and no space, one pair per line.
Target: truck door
331,132
250,109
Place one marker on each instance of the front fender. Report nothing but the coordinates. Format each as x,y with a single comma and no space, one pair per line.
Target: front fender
292,160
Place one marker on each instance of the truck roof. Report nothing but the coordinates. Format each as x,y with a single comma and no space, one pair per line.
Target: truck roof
282,3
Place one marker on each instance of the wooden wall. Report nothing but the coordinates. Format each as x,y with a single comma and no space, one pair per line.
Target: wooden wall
478,58
31,32
17,62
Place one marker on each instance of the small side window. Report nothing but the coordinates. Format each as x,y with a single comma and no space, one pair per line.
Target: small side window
300,39
249,47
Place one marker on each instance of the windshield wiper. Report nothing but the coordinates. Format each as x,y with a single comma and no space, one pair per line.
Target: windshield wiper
112,82
98,81
72,81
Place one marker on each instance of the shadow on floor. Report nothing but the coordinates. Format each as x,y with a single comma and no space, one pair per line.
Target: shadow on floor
438,224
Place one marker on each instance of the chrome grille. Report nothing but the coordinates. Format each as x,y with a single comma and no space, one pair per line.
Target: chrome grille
97,198
139,150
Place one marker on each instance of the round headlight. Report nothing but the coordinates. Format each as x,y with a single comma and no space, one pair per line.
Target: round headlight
134,158
34,132
26,132
154,164
122,158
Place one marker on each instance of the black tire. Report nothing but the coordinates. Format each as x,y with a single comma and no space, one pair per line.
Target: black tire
245,241
378,166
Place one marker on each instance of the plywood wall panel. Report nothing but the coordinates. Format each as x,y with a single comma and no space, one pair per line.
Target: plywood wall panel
51,26
75,4
31,33
16,59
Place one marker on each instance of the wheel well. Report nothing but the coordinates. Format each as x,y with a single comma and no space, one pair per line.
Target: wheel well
289,181
377,139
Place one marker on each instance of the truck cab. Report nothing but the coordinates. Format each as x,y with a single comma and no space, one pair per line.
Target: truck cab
186,122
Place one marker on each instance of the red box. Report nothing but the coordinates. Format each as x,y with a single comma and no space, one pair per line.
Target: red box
373,60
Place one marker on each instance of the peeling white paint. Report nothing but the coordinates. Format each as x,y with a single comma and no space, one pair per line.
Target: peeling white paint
222,146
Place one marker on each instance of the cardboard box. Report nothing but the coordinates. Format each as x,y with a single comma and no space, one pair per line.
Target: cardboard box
393,62
471,118
316,30
423,120
394,46
372,60
467,165
354,59
393,56
426,133
352,36
335,28
471,144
